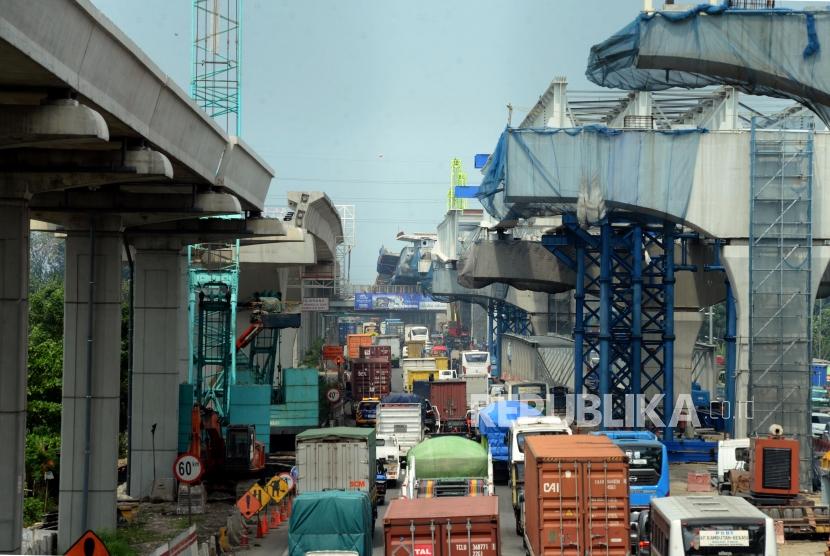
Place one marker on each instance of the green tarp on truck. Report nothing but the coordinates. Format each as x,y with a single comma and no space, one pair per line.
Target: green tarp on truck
331,520
447,457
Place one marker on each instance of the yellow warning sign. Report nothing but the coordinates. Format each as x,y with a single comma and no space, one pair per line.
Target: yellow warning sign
260,494
276,488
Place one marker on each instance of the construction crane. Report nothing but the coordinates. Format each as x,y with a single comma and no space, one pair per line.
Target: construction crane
457,178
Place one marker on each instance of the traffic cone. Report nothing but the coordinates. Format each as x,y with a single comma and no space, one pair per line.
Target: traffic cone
284,511
264,520
260,532
275,517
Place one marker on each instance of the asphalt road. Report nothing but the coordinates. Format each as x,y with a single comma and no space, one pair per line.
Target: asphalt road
276,542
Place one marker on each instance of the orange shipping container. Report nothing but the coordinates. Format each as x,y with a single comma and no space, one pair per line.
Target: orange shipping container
354,341
446,526
576,496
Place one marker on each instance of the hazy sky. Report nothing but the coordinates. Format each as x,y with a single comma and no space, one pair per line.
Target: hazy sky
368,100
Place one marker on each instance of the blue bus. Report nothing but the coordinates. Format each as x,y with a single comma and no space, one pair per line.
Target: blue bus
648,461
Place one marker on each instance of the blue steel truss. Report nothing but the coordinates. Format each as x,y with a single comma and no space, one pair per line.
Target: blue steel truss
502,318
624,325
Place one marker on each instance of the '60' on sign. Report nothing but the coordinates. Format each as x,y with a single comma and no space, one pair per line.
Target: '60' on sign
187,469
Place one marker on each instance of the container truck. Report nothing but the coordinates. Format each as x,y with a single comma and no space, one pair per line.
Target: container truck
337,458
449,398
371,378
394,344
331,521
461,526
448,466
576,496
400,427
521,429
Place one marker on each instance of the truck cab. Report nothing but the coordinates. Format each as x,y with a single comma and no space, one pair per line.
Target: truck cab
520,430
366,413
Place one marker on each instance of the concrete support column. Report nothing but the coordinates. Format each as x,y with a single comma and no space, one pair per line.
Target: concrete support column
14,324
687,322
736,260
156,373
91,380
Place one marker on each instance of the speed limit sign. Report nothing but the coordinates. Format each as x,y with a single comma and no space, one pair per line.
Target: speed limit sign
333,395
188,469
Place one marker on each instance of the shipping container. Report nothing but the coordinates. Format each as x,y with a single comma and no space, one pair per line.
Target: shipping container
819,373
394,343
371,378
576,496
442,363
449,397
447,526
337,458
478,389
375,351
353,343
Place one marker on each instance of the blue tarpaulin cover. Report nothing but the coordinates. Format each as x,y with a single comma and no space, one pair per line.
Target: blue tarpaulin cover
494,423
772,52
588,170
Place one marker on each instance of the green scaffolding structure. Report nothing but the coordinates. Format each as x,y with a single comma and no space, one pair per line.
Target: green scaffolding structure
213,278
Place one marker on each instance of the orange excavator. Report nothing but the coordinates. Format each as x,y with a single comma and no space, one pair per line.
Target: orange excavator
238,452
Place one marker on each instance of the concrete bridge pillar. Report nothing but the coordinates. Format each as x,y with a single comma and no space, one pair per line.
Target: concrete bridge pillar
687,323
158,327
91,379
736,260
14,321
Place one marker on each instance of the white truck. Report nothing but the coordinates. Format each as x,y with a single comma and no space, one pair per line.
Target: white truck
732,454
399,427
520,429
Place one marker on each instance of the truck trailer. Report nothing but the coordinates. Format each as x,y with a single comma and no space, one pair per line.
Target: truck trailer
576,496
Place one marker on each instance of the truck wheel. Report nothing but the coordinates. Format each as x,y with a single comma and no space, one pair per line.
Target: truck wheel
382,501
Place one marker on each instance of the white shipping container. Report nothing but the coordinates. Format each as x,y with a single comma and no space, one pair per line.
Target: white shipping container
342,464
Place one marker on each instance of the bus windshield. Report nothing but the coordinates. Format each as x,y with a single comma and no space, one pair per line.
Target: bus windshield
724,539
645,464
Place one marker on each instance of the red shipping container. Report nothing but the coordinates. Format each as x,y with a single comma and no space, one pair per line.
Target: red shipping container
371,378
447,526
450,397
576,496
373,351
332,353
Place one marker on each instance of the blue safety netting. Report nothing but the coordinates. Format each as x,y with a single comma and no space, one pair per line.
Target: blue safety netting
588,170
774,52
494,423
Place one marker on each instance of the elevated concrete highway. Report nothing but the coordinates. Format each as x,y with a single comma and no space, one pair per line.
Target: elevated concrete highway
96,139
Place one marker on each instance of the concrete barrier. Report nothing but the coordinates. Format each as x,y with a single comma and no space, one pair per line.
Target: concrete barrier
40,541
184,544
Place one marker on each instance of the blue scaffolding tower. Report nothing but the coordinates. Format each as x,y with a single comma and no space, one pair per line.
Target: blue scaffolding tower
624,325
